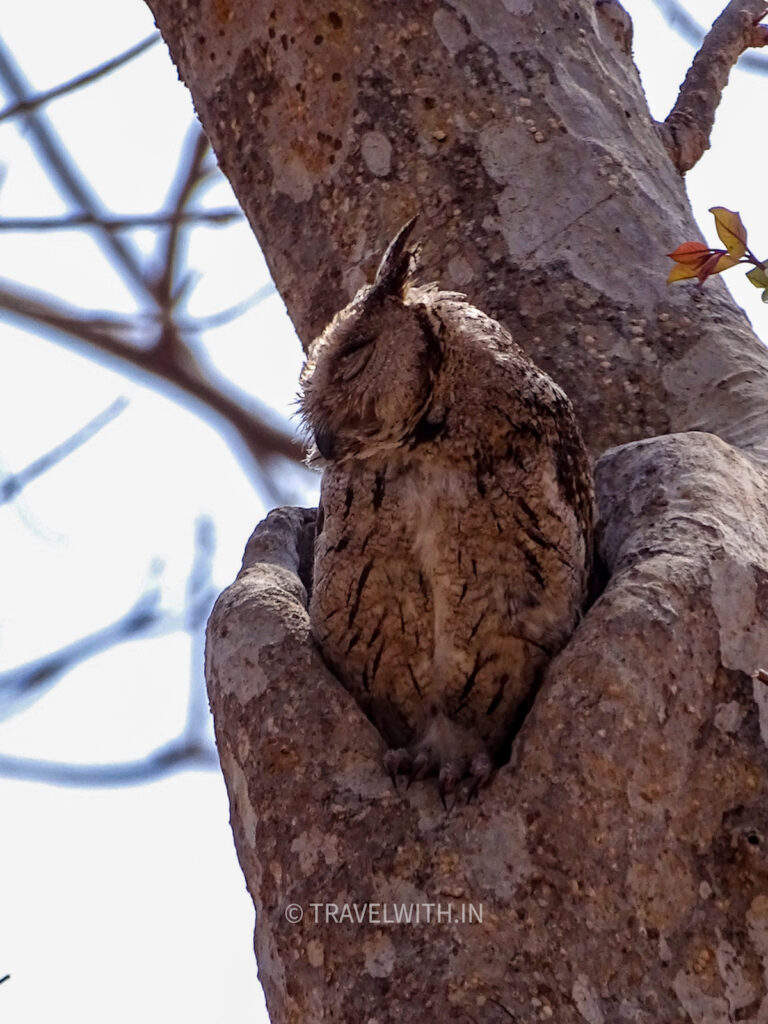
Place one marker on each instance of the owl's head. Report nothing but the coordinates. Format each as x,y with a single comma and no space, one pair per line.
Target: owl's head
368,378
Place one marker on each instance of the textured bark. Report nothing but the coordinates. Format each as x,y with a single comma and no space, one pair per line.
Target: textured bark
520,133
620,857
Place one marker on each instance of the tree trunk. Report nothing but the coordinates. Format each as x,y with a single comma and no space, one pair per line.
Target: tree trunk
619,860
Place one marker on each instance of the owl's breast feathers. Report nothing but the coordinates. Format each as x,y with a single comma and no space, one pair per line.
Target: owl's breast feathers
455,547
450,571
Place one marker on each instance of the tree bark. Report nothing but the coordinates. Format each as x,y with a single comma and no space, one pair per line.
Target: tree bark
619,858
618,862
520,134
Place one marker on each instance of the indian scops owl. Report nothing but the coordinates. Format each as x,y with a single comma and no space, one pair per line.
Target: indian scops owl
454,533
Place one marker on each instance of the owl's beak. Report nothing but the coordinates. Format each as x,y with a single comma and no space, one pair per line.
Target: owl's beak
325,442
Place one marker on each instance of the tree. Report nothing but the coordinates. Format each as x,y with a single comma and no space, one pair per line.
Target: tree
619,858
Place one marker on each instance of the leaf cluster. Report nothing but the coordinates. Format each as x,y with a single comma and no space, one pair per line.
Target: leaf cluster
694,259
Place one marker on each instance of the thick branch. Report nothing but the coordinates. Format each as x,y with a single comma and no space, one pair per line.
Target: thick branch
690,30
686,130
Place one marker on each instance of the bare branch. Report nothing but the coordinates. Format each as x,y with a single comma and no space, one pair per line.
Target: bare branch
225,316
686,131
174,366
128,223
201,593
25,683
13,484
178,755
24,106
192,748
59,165
689,29
189,175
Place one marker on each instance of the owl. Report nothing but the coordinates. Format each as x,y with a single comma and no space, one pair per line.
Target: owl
454,533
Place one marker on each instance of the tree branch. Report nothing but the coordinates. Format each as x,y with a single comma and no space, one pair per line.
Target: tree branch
60,167
225,316
33,102
25,683
192,747
176,756
147,220
189,175
14,483
175,366
201,594
686,130
691,31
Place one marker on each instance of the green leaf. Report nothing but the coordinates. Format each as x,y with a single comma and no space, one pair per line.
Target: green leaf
759,277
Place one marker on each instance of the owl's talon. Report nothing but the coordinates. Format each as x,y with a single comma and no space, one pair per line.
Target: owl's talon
479,773
449,777
398,762
422,764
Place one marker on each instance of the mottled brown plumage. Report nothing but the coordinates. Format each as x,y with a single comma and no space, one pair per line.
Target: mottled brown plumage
455,528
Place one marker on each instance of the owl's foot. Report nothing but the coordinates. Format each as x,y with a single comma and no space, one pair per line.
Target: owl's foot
398,762
447,750
480,771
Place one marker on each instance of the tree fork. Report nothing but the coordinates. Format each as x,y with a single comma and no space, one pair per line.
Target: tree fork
620,857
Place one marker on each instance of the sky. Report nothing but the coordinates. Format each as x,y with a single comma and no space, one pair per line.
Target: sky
127,904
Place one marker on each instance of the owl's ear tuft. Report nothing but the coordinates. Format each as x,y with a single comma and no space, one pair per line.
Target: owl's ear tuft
397,264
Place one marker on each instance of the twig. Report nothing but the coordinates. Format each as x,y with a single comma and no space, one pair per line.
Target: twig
178,755
225,316
141,220
178,368
33,102
25,683
59,165
13,484
192,747
686,131
189,175
201,593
